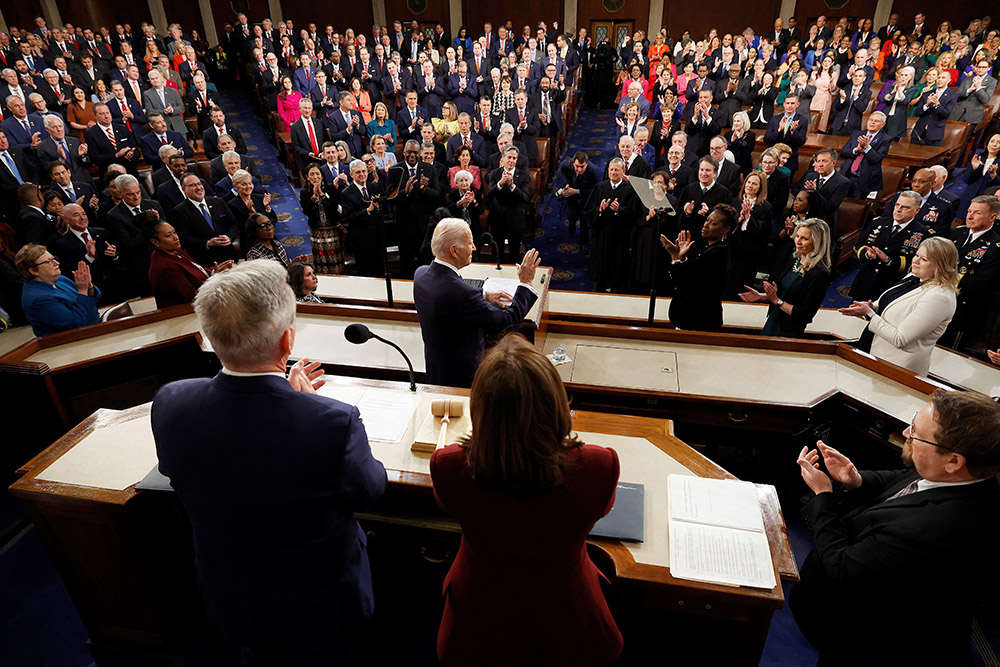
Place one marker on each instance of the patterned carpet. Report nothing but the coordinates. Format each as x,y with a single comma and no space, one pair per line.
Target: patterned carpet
292,229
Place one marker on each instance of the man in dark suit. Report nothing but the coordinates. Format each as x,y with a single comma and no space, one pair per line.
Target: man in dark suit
487,122
419,195
71,190
58,146
933,109
312,612
127,111
159,136
950,199
890,29
778,186
830,186
201,102
526,125
109,142
547,103
462,88
83,243
411,118
788,128
88,72
205,225
126,223
168,189
454,316
395,85
851,105
863,154
346,124
466,137
978,243
324,96
15,171
921,540
702,125
700,197
580,177
363,217
503,141
725,96
507,196
309,134
270,79
846,79
23,131
218,128
634,164
700,82
430,90
729,174
887,248
217,167
933,210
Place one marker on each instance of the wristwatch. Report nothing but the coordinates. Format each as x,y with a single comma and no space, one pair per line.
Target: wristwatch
779,303
868,316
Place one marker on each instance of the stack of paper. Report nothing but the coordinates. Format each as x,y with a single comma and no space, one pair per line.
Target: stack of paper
386,414
717,533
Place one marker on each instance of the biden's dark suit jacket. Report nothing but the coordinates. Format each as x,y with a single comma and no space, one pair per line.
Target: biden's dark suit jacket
281,560
454,316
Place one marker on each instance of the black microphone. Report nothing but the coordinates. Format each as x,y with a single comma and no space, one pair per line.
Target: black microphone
359,333
487,239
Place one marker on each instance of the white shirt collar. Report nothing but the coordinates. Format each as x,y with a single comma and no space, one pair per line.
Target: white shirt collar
976,235
241,374
450,266
925,484
79,234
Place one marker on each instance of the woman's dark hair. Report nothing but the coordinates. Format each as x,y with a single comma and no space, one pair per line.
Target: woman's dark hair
462,32
306,175
151,227
462,149
296,276
521,421
250,228
811,197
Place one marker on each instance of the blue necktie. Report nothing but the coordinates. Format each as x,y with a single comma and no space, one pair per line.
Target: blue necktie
204,212
9,161
69,158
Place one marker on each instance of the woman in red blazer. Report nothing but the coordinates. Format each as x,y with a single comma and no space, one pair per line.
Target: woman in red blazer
522,589
174,276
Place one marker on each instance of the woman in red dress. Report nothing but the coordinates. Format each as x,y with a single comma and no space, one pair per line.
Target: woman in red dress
522,589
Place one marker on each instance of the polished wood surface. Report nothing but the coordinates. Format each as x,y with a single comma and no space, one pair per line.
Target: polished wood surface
901,154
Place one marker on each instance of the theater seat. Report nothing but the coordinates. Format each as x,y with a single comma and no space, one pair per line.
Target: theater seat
851,218
892,181
955,133
205,170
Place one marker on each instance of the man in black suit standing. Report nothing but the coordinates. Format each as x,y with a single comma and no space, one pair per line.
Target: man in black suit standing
863,154
125,224
210,137
702,125
889,30
160,136
419,195
725,96
613,208
922,539
851,105
58,146
507,195
466,137
830,186
363,216
15,171
309,134
205,225
73,191
109,142
729,174
83,243
789,128
526,126
580,180
346,125
700,197
454,316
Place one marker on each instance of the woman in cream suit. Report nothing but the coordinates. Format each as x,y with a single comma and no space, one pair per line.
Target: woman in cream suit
909,317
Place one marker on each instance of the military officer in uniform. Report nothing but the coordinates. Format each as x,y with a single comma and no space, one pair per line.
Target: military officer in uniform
933,209
888,248
978,243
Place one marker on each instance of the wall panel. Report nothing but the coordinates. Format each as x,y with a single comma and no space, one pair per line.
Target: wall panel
808,10
958,12
476,12
341,14
434,11
691,16
187,13
22,13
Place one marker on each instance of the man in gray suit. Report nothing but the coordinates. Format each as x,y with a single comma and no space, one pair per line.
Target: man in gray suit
161,99
973,94
58,146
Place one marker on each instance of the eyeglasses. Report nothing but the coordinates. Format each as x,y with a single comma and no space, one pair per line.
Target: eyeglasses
266,225
912,437
50,260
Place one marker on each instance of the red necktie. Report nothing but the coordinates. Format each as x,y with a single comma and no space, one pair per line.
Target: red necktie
111,137
307,76
364,193
312,138
857,160
124,109
163,139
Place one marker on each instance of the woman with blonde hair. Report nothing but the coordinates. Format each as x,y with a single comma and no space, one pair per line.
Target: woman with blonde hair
907,320
797,293
447,124
748,239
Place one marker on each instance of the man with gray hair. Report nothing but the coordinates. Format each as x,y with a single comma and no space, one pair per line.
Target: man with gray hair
863,154
950,200
280,557
888,247
454,316
58,146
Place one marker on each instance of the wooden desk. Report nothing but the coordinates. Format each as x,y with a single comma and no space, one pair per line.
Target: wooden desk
901,154
125,554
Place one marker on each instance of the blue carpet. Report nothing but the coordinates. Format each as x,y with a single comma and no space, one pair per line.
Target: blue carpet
292,229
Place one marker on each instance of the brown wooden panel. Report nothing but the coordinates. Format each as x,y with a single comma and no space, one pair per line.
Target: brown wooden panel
22,14
95,13
340,15
958,12
807,10
187,13
435,11
222,12
631,10
692,16
475,13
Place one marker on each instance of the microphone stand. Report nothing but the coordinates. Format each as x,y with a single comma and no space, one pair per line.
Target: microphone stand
413,381
389,196
652,288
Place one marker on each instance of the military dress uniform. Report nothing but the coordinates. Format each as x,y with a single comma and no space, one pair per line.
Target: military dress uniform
978,275
876,276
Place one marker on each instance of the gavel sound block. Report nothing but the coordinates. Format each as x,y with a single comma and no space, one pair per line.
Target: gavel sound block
446,423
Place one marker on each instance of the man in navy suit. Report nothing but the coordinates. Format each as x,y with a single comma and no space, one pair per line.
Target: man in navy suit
430,90
525,124
205,225
305,76
363,216
15,171
851,105
127,111
83,243
323,96
23,131
933,109
410,119
466,137
788,128
863,154
158,136
219,128
454,316
334,171
346,124
462,89
280,557
109,142
922,539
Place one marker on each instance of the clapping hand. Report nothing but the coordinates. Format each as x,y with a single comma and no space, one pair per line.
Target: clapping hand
82,278
814,478
614,206
753,296
679,248
110,250
306,376
689,208
704,209
976,161
228,264
857,309
604,205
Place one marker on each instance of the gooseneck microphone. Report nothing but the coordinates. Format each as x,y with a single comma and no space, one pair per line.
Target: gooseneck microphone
359,333
488,240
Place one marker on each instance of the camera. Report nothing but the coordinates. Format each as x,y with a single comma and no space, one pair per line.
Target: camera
560,195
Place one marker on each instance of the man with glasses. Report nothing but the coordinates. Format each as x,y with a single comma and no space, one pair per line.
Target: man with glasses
901,556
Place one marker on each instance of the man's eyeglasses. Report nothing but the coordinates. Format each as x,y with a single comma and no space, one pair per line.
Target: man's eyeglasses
912,437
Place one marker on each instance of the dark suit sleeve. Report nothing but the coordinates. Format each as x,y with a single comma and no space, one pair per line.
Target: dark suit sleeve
362,480
808,303
478,312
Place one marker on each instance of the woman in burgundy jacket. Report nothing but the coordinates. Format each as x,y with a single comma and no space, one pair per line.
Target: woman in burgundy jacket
522,589
174,276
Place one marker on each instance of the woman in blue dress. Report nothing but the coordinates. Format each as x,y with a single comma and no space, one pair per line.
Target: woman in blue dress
51,301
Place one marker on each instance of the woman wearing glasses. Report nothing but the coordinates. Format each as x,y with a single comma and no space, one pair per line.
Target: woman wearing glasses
905,322
51,301
260,242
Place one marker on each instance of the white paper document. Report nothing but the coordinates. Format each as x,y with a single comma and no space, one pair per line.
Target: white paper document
720,555
716,502
716,532
508,285
385,414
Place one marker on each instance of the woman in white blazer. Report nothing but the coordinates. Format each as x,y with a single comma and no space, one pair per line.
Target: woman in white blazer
906,321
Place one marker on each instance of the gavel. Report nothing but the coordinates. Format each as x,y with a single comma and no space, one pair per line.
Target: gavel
446,408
